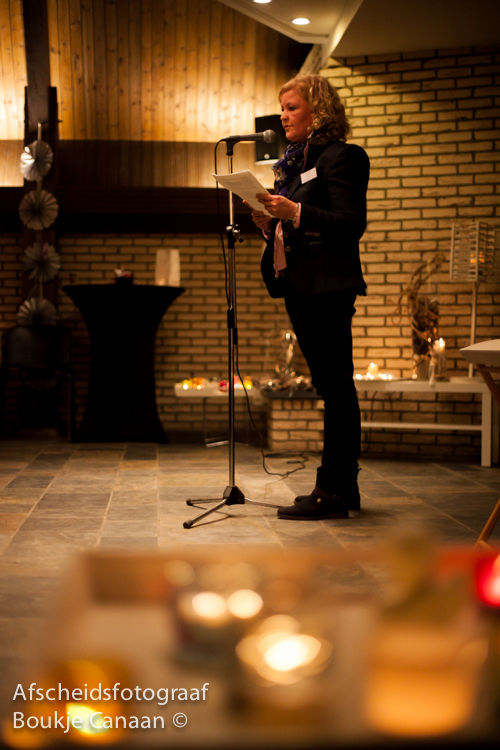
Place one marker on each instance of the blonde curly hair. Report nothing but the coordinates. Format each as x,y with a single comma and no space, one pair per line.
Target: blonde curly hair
324,102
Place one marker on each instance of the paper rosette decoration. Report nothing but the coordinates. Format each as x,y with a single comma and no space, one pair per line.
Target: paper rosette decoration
38,212
42,262
36,311
36,160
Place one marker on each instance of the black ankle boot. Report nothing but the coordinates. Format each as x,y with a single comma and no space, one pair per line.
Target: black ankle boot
315,507
349,493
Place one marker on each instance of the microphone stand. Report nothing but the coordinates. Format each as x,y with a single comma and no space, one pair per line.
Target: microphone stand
232,495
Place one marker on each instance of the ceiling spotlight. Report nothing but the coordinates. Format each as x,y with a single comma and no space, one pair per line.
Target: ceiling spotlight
261,2
300,21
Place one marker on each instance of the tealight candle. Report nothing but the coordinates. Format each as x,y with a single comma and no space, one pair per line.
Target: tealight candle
286,677
198,383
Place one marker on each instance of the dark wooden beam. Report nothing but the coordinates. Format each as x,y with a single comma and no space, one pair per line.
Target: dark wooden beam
168,201
36,40
136,210
139,200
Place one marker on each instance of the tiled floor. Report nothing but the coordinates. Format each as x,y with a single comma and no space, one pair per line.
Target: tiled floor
56,499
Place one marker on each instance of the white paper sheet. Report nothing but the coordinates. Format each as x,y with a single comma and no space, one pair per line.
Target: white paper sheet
244,184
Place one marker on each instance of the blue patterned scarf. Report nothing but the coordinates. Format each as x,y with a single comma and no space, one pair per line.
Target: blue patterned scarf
288,167
291,163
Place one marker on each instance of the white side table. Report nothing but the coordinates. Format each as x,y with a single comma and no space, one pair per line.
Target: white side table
489,421
486,356
204,393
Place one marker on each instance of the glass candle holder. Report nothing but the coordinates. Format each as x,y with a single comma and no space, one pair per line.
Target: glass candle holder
437,365
421,681
285,678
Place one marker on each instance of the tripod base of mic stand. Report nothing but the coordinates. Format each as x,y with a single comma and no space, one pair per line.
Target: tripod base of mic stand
232,495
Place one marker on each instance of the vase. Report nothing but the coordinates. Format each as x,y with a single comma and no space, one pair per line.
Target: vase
420,369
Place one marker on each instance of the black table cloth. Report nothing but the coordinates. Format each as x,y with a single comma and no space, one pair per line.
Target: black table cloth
122,320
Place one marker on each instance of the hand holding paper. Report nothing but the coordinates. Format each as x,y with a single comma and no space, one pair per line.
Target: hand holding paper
246,185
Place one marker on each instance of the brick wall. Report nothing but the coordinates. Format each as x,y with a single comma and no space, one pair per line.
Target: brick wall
295,424
430,122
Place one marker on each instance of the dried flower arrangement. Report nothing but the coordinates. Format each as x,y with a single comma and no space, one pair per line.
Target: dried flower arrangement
423,313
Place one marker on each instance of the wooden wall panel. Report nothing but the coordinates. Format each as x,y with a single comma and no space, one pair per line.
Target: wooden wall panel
179,82
214,125
149,71
203,72
9,112
224,102
12,70
18,65
146,72
10,153
67,91
102,40
162,70
88,81
77,72
158,73
167,114
193,35
111,27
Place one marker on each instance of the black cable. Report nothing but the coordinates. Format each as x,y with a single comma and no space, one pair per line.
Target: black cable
301,455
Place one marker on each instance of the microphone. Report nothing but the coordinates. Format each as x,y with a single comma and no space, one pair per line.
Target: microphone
268,136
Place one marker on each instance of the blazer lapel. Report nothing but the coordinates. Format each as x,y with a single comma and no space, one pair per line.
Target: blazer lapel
313,154
293,187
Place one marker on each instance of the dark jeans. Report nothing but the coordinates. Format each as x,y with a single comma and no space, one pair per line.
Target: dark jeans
322,324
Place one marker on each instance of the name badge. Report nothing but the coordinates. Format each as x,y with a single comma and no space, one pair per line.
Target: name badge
311,174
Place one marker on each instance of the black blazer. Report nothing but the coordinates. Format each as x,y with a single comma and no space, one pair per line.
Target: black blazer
323,253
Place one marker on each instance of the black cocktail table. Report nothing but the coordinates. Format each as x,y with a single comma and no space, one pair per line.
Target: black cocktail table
122,321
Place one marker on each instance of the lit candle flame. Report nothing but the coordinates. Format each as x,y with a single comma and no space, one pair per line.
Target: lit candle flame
244,603
291,652
209,605
85,713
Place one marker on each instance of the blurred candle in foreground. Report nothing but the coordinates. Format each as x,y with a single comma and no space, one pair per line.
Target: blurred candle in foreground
286,680
488,580
421,681
278,652
61,718
208,607
245,604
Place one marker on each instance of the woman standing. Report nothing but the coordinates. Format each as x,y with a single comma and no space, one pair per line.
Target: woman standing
311,259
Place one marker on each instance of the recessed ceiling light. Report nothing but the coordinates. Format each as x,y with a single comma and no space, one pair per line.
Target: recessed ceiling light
262,1
301,21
